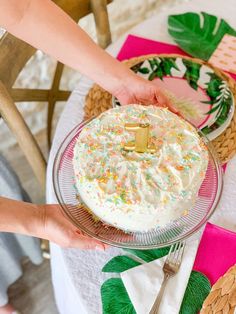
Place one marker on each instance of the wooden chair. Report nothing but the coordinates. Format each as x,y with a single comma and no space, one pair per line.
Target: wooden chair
14,54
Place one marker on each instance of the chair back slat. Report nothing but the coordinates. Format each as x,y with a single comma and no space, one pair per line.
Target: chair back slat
14,54
99,9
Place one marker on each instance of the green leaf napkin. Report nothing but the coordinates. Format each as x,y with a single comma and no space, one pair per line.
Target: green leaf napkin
198,34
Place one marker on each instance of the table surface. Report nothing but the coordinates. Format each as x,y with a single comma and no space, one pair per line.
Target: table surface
76,274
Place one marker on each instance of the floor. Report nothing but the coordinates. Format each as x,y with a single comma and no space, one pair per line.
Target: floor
33,294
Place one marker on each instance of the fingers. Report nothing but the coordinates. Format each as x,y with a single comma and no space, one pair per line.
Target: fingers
84,242
61,231
163,101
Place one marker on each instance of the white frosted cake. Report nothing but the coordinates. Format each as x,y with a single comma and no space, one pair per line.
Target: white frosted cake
136,191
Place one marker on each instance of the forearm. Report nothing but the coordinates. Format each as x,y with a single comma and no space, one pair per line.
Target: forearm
43,221
46,27
19,217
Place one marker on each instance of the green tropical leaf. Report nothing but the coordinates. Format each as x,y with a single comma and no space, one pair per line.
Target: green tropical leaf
196,292
143,70
120,263
161,67
150,255
115,299
214,109
152,63
192,83
166,64
221,98
173,64
223,114
213,88
206,130
152,76
156,61
159,72
192,72
207,102
196,38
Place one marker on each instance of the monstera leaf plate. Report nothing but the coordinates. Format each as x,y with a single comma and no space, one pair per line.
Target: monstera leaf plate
202,97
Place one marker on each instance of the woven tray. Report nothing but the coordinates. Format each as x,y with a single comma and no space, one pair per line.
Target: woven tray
99,100
222,298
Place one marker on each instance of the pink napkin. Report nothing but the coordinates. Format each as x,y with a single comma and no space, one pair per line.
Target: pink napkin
135,46
216,252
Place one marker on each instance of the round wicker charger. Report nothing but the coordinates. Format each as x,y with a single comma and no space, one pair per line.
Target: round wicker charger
99,100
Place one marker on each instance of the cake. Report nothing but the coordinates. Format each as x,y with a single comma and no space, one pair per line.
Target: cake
132,190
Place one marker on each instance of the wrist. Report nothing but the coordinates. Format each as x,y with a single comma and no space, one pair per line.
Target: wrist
19,217
30,220
127,87
36,226
116,78
124,84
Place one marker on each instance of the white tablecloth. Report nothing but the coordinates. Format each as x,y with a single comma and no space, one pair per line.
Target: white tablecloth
76,274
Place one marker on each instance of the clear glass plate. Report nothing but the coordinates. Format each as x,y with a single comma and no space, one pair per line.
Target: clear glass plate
63,182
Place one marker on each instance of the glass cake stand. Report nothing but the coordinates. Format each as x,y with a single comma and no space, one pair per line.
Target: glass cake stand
63,182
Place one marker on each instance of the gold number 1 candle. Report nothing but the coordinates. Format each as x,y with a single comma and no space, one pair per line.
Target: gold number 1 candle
140,145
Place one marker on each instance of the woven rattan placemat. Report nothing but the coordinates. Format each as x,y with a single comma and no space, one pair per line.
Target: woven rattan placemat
98,100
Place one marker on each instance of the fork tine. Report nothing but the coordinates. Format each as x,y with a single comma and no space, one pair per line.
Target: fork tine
176,253
175,257
171,251
180,253
172,256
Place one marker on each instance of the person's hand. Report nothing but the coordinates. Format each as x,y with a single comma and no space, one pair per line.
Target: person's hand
55,227
137,90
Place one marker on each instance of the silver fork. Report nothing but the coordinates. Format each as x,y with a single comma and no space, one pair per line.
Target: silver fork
170,268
